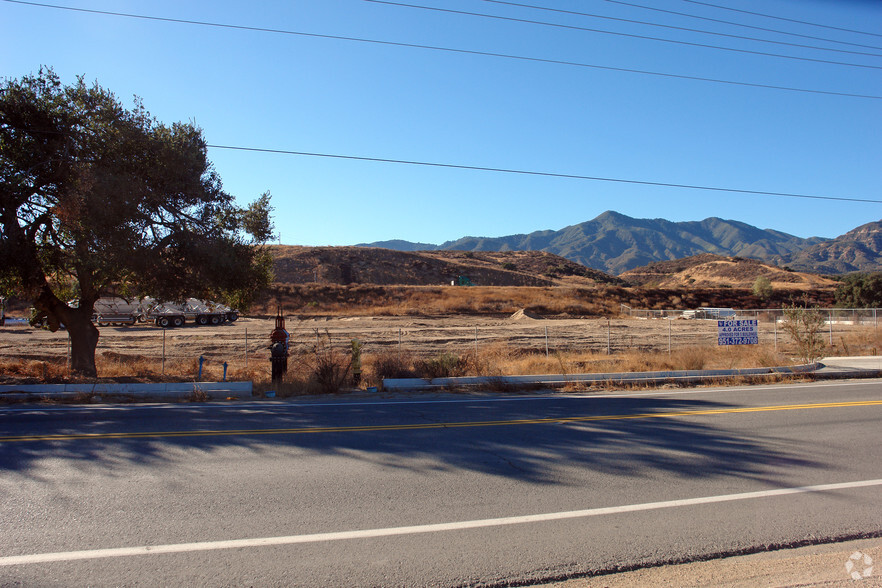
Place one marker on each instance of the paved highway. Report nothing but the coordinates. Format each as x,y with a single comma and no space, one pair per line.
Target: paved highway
445,491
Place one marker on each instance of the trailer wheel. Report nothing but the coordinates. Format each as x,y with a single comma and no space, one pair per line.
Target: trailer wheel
233,317
202,319
163,322
215,320
178,321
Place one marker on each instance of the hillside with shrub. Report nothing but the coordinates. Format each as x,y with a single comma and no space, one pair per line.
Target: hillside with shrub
715,271
360,265
333,281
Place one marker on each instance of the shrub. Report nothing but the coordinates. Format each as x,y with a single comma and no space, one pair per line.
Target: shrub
762,288
805,325
330,369
388,364
446,365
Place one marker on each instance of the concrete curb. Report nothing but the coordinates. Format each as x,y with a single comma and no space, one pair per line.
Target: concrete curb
684,376
168,390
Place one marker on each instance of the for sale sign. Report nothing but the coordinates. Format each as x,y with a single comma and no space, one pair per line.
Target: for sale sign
738,332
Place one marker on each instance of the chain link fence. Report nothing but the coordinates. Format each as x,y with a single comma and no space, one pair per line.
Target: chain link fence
244,346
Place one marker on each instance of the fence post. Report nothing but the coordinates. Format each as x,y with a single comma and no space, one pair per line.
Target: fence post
831,327
608,339
246,348
546,340
670,335
163,352
476,342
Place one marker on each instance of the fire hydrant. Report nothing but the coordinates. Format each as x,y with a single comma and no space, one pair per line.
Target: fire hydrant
279,349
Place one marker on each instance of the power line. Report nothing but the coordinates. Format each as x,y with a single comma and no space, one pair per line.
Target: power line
618,34
695,16
449,50
510,171
542,174
783,18
641,22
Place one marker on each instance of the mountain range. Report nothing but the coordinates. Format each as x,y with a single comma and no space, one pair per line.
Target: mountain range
615,243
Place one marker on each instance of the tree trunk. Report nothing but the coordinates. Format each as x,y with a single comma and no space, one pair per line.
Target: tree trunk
78,322
83,342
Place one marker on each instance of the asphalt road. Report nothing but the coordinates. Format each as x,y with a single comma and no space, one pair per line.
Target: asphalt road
453,491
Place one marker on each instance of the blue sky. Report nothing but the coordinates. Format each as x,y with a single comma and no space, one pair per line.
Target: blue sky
313,94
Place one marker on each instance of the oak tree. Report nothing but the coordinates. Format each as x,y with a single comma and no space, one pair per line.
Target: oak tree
96,199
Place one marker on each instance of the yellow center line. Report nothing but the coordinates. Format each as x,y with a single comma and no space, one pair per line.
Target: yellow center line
420,426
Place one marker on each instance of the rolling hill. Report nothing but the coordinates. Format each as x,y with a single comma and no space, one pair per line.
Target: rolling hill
714,271
360,265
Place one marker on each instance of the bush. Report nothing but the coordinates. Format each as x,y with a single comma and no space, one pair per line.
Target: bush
762,288
330,369
446,365
389,364
805,325
860,291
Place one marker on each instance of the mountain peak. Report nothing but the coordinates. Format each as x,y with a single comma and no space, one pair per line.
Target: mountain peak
614,243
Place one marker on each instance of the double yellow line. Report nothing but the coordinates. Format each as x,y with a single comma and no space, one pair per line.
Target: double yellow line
422,426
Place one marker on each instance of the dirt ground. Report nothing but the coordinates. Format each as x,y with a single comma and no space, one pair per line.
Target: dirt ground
248,338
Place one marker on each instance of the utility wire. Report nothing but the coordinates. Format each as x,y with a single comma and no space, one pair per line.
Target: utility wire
783,18
642,22
506,170
542,174
448,50
629,35
695,16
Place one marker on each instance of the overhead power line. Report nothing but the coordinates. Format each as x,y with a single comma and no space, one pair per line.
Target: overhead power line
814,24
40,131
544,174
629,35
640,22
449,50
693,16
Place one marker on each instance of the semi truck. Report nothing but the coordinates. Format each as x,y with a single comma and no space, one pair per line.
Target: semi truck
119,311
200,312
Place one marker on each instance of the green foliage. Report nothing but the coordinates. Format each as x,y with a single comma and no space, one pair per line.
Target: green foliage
96,198
805,326
860,290
762,288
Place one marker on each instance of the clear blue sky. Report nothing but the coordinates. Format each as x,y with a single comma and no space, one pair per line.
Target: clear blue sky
312,94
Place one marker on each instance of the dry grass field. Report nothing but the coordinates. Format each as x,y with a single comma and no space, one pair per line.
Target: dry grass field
414,345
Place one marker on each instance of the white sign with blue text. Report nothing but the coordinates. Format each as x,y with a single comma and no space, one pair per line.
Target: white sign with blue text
738,332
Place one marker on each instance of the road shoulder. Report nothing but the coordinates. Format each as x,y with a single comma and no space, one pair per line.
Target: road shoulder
814,565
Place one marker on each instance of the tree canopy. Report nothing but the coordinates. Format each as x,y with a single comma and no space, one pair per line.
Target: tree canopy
98,199
860,290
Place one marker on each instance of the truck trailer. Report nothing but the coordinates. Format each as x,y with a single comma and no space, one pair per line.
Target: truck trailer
118,311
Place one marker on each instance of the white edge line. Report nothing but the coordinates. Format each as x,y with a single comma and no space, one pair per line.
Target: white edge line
417,529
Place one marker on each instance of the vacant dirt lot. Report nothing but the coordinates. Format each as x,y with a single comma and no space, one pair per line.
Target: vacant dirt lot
247,340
